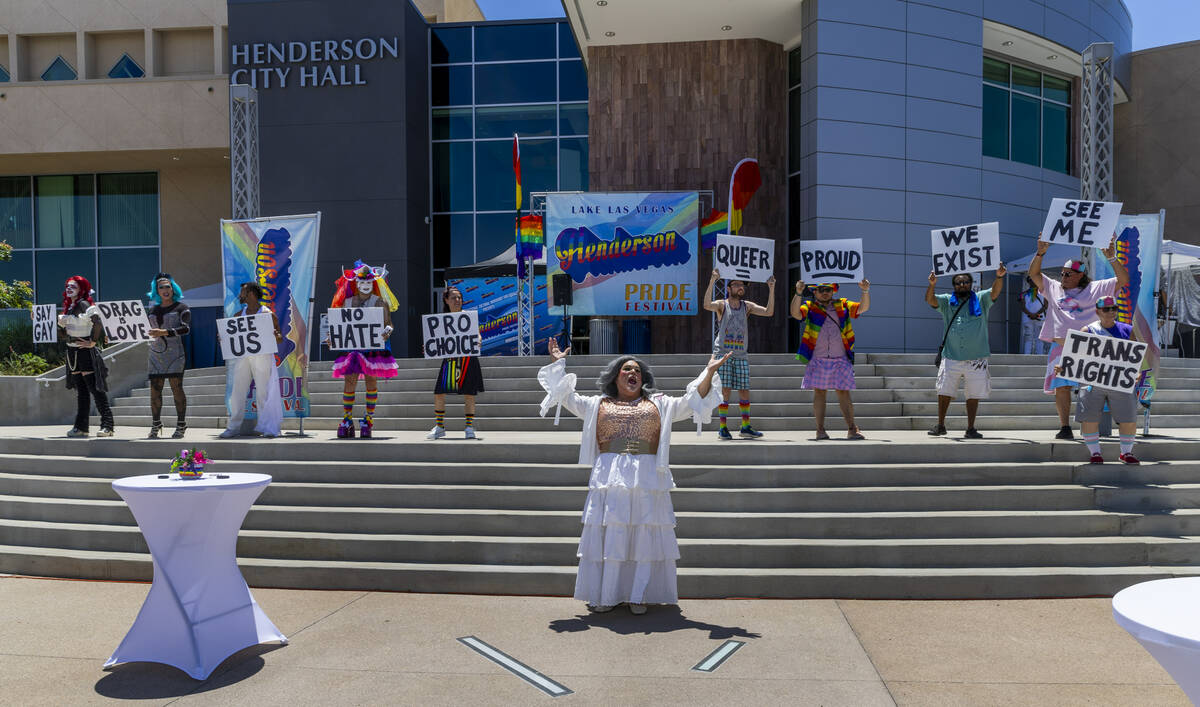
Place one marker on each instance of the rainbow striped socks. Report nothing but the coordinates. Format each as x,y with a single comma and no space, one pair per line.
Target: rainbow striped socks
723,408
372,398
347,405
470,417
744,406
439,419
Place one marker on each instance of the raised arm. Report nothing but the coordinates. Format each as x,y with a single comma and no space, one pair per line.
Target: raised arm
1118,267
929,298
706,382
769,308
709,304
998,283
865,304
1035,265
797,302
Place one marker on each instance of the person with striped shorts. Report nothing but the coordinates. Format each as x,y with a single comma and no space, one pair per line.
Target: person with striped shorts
732,337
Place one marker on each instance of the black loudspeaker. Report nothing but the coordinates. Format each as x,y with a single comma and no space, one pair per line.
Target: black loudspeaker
563,292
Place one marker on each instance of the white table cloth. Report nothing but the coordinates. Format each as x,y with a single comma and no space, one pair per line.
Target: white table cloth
1164,616
199,610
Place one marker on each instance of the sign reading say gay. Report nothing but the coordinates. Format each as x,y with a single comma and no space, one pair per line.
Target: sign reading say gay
45,324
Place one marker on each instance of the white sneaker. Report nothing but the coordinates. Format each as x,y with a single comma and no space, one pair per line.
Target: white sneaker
436,433
227,434
469,433
599,609
104,432
637,609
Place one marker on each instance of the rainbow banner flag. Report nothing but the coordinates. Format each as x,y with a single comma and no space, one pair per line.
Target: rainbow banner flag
531,236
745,180
517,168
716,222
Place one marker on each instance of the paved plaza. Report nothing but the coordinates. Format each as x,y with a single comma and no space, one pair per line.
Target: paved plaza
388,648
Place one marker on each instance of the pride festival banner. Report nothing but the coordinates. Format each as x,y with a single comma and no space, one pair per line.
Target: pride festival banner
627,253
280,254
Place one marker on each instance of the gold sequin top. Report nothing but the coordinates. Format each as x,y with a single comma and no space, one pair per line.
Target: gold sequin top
637,420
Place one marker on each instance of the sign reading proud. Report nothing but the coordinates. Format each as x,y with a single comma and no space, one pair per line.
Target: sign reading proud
831,261
45,324
1102,361
1089,224
356,329
247,335
742,258
124,320
451,334
966,249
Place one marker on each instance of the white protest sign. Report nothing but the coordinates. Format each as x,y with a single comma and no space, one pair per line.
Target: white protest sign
831,261
355,329
743,258
247,335
1089,224
45,324
450,334
966,248
1102,361
124,320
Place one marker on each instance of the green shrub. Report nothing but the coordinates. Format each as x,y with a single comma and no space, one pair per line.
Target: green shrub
17,337
23,364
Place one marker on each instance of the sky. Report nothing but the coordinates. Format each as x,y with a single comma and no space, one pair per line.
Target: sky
1155,22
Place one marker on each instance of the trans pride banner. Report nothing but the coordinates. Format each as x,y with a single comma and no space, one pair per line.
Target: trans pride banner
1139,240
495,298
631,254
280,254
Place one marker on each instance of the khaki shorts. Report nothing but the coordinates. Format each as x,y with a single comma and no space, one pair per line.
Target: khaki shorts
974,374
1091,404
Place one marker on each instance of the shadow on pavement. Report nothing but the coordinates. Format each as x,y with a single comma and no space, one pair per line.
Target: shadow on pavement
659,619
148,681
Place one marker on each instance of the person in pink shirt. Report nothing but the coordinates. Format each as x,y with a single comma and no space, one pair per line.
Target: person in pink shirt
1071,305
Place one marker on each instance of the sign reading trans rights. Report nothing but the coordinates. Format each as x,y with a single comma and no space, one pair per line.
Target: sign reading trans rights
1102,361
627,254
966,248
1089,224
831,261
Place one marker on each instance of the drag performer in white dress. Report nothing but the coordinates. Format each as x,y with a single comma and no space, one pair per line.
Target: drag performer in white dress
627,551
259,369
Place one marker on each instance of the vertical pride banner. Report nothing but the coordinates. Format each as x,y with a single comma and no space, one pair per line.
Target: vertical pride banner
280,254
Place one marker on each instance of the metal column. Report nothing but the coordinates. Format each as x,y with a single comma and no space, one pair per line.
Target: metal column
243,151
1096,164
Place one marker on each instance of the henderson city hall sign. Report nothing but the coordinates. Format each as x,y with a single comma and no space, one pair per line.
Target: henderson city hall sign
316,63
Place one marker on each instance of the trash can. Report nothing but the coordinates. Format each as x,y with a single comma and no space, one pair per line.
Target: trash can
636,335
602,334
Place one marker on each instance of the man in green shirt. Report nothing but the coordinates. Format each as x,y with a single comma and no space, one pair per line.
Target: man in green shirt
965,355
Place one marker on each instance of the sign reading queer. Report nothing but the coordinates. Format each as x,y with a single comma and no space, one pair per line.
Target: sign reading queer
966,248
450,334
831,261
247,335
1090,224
124,320
356,329
1102,361
742,258
45,324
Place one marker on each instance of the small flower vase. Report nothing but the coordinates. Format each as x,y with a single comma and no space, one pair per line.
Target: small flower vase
191,471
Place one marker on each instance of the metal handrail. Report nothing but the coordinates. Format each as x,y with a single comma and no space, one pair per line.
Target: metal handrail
109,354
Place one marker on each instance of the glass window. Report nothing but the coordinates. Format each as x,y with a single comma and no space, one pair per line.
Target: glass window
567,48
494,233
532,82
449,45
795,215
128,208
59,70
1027,80
503,121
454,240
126,68
125,273
995,71
794,65
16,211
794,146
573,119
451,123
508,42
572,81
55,266
1056,137
21,268
451,85
66,211
452,176
1056,89
1026,129
573,164
494,185
995,122
4,77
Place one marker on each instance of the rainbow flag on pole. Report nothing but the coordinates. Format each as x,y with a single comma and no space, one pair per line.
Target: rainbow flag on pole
746,180
517,168
716,222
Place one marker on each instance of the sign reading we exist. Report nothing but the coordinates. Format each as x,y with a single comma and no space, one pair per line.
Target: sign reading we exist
743,258
451,334
124,320
831,261
1102,361
45,324
966,249
1089,224
247,335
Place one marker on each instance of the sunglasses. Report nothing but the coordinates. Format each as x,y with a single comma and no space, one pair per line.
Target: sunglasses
823,289
1106,309
1066,273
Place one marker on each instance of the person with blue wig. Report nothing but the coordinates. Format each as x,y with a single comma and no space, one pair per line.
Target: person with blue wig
170,320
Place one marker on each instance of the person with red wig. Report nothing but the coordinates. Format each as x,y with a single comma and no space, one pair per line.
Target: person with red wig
86,372
364,286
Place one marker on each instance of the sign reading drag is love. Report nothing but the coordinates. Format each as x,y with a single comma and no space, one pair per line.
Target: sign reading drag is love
627,254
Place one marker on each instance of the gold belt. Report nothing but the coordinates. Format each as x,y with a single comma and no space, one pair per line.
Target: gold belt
626,445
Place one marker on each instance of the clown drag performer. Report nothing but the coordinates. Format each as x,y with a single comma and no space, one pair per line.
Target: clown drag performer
462,376
627,551
86,373
259,369
170,320
364,286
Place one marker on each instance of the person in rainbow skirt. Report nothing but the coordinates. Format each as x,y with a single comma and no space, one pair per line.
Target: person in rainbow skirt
364,286
459,376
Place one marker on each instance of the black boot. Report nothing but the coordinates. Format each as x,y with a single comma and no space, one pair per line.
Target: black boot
106,416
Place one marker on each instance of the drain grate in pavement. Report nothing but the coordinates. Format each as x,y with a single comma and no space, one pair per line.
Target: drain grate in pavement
714,660
515,667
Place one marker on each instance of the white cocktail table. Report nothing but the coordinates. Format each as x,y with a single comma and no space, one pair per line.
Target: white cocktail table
1164,616
199,610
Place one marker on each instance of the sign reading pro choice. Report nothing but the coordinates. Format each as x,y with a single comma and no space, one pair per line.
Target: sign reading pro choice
1090,224
966,249
451,334
1102,361
742,258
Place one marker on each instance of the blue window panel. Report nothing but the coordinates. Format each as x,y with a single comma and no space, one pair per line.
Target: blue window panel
1056,137
126,68
572,81
53,267
65,211
452,176
21,268
450,85
453,240
573,164
995,71
573,119
494,181
1011,188
795,148
1027,80
452,123
59,70
4,77
449,45
567,48
125,273
509,42
16,211
1056,89
995,122
526,121
1026,129
494,233
943,179
127,206
532,82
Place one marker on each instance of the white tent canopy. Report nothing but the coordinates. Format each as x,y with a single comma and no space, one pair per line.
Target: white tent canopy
1054,258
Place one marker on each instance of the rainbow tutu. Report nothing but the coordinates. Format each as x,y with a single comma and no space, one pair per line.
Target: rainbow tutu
378,364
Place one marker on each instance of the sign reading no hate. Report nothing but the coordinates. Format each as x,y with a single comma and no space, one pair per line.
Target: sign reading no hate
831,261
451,334
742,258
247,335
124,320
1089,224
45,324
967,249
1102,361
356,329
